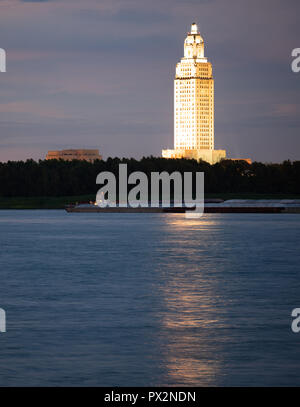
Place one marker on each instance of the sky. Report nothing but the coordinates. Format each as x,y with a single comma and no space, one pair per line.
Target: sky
100,74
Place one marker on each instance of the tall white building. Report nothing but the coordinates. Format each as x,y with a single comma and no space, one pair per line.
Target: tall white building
194,104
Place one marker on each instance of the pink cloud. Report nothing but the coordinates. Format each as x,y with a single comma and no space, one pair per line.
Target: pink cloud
33,108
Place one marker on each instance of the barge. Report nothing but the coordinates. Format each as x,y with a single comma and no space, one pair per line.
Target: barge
210,206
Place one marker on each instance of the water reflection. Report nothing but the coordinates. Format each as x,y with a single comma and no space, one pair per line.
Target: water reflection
179,221
190,317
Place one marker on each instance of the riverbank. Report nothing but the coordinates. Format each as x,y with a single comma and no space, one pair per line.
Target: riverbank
59,202
42,202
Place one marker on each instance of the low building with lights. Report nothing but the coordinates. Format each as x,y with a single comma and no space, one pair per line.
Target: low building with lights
69,155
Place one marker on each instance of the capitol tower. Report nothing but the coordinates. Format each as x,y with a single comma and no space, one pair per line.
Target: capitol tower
194,104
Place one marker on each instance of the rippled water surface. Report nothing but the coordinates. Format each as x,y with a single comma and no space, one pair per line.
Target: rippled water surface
149,299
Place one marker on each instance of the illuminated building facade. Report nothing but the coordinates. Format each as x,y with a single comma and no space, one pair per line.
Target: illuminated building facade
194,104
69,155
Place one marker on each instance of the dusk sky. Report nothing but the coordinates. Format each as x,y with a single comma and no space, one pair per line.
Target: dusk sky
99,74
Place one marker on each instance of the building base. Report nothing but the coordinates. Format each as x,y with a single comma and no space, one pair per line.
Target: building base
210,156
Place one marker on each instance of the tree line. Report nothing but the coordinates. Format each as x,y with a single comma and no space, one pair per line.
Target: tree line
65,178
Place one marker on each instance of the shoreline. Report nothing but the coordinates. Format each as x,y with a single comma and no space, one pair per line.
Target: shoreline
31,203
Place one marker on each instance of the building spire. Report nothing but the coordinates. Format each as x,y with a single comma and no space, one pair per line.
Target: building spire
194,28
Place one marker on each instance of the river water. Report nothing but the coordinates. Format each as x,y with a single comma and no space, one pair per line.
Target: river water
149,299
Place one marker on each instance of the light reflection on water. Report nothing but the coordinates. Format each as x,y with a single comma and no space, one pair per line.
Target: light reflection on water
187,317
189,310
125,299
